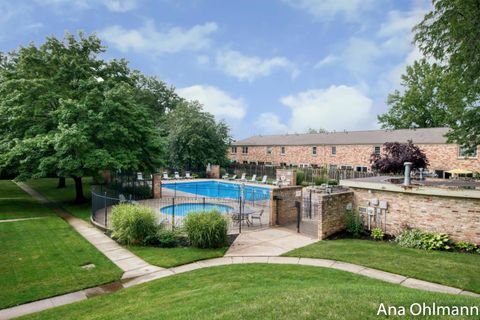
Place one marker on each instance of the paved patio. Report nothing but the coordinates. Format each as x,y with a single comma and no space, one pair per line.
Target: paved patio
267,242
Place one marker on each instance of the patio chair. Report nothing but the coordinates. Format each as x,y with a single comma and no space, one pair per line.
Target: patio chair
257,216
233,177
264,180
140,176
225,176
177,175
188,176
243,177
122,198
165,176
254,178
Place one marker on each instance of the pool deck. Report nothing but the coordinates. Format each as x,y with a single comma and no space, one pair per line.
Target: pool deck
236,182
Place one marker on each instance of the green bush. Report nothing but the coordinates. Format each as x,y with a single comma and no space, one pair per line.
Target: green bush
163,238
354,223
410,238
300,177
377,234
320,180
206,229
466,246
435,241
332,182
142,192
132,224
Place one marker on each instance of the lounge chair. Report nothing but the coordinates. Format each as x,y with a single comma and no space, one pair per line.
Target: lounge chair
165,176
225,176
233,177
254,178
139,176
264,180
177,175
122,198
257,216
188,176
243,177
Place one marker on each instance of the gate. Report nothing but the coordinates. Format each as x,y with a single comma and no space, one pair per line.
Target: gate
298,214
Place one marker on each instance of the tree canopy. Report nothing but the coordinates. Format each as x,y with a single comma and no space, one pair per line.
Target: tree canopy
195,138
445,92
394,156
65,111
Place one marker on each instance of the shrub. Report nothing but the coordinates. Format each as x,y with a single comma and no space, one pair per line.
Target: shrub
320,180
466,246
300,177
163,238
410,238
377,234
132,224
354,223
306,184
139,192
206,229
332,182
435,241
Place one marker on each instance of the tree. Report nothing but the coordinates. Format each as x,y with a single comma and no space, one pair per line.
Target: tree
394,156
450,35
195,138
67,112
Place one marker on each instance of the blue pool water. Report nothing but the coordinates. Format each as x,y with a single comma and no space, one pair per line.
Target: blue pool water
185,208
218,189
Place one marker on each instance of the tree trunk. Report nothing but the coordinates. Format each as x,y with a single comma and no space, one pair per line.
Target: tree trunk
79,198
61,183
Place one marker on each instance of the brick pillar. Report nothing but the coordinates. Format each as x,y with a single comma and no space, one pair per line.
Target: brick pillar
157,185
214,172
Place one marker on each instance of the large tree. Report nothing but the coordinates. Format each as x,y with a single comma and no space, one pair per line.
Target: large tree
195,138
450,35
66,111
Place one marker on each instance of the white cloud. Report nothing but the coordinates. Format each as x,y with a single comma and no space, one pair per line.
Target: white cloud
326,61
269,122
203,59
248,68
328,9
360,55
334,108
215,101
120,5
149,40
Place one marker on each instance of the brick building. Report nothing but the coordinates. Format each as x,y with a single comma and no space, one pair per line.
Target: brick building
351,149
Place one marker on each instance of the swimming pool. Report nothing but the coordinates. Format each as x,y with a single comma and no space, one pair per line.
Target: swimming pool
218,189
185,208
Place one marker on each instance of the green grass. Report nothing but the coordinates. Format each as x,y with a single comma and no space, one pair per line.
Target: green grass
458,270
65,197
15,203
42,258
171,257
258,291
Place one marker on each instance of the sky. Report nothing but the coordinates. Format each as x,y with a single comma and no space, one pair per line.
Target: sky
264,67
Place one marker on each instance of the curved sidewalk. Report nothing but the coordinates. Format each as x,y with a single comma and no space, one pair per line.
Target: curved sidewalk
348,267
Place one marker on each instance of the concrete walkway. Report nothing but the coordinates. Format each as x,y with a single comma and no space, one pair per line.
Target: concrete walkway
267,242
131,265
22,219
348,267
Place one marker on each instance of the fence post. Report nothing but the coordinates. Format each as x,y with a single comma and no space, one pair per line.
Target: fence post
173,214
203,203
297,205
105,209
310,204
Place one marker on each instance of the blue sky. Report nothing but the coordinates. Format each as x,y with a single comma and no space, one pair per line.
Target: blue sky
262,66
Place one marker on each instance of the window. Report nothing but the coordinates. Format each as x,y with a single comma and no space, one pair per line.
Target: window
268,163
346,167
283,164
361,169
467,152
314,150
377,149
269,150
244,149
333,167
282,150
234,150
334,150
245,162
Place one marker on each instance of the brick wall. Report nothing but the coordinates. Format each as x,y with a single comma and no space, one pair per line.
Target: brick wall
441,156
331,213
284,210
456,216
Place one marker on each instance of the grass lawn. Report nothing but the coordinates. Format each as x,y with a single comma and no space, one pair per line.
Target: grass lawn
256,291
66,196
15,203
171,257
458,270
42,258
